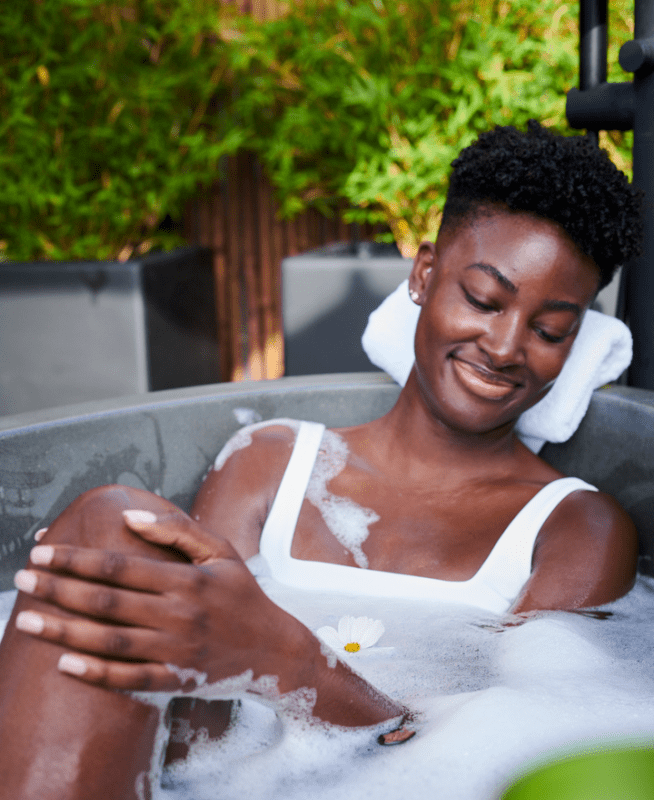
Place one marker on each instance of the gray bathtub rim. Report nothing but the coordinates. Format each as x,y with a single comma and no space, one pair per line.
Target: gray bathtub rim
165,442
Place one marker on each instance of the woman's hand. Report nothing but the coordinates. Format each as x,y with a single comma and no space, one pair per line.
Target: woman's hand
141,624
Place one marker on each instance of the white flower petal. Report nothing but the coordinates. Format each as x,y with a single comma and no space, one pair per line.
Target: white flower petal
330,636
345,629
372,634
361,630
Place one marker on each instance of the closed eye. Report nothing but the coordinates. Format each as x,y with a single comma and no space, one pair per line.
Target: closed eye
548,337
478,303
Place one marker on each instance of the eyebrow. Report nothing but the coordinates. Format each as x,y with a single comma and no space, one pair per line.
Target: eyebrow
562,305
549,305
495,273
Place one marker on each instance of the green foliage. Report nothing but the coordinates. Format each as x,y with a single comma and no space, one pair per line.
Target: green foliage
370,100
112,113
109,117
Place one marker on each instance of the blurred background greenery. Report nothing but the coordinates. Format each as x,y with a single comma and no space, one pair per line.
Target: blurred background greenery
113,114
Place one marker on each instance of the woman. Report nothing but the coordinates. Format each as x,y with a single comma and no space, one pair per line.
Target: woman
533,226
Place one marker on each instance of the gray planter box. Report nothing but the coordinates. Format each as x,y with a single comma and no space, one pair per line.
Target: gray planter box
328,295
77,331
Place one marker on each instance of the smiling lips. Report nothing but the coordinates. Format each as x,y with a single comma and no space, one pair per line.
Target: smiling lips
482,383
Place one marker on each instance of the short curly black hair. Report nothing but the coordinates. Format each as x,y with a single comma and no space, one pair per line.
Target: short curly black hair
566,179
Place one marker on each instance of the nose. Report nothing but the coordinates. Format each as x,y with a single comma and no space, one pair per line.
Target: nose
503,341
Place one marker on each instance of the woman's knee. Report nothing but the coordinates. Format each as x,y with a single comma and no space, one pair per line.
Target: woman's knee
95,519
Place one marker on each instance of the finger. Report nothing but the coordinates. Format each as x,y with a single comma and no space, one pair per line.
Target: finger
95,599
118,569
109,641
149,677
177,530
40,534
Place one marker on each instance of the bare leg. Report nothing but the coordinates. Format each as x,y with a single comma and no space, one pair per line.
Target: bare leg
192,716
61,739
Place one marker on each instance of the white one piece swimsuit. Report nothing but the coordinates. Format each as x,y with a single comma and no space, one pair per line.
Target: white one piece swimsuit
494,587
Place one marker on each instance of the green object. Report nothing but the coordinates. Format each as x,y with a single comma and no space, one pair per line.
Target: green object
113,112
370,100
620,774
110,116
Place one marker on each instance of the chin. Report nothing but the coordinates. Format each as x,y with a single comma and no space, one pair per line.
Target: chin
467,414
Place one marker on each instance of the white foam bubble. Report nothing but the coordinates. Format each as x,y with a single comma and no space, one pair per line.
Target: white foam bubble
243,438
347,521
188,674
246,416
488,700
329,654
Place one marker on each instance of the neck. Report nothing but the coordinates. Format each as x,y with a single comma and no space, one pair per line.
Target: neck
411,428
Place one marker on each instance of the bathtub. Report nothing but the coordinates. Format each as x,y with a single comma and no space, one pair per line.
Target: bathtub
165,442
492,702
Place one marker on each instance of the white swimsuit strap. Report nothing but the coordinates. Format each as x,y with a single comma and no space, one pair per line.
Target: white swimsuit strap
508,566
278,530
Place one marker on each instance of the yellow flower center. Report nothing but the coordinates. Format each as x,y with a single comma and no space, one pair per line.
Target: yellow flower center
352,647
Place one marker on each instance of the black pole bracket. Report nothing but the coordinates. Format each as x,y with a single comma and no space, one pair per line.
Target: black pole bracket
636,54
607,107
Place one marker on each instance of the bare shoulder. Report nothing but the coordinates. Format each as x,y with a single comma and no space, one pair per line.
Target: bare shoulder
253,441
585,554
236,495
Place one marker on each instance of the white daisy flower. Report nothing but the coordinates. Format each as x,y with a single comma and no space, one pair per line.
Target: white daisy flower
353,634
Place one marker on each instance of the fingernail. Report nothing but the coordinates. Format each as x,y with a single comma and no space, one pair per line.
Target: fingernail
136,517
25,581
42,554
30,622
40,534
72,664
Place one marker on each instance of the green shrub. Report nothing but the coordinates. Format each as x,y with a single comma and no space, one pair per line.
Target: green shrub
112,113
370,100
109,117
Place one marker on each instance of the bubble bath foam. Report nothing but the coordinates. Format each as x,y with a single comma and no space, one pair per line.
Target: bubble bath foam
488,698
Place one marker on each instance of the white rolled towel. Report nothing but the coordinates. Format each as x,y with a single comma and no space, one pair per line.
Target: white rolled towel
601,352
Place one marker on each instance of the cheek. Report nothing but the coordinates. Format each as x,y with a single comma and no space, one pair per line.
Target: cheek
449,322
547,364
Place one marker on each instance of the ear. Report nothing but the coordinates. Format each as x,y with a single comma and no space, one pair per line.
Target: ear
422,272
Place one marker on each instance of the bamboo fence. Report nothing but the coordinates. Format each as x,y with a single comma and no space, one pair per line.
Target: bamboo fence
263,9
238,218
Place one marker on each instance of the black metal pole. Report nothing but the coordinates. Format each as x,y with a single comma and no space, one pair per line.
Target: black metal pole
598,105
593,46
638,56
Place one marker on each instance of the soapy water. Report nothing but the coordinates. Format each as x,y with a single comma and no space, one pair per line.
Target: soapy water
488,699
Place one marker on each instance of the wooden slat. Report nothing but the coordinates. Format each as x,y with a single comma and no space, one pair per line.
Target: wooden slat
232,212
216,237
254,368
238,217
269,260
263,9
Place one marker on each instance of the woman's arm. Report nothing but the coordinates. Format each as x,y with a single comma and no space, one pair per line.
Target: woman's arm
209,619
585,555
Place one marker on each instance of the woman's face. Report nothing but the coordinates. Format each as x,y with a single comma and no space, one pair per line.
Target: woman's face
502,300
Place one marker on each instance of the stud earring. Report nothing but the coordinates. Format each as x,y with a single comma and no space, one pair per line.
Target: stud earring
414,295
428,270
